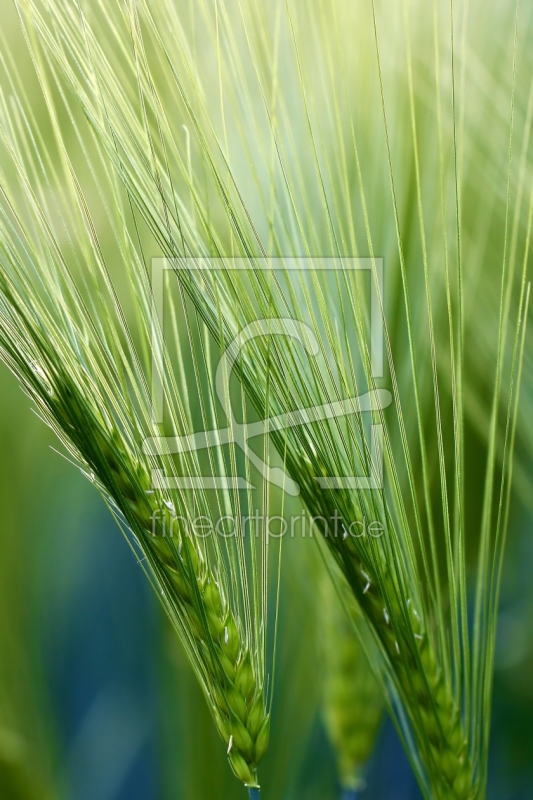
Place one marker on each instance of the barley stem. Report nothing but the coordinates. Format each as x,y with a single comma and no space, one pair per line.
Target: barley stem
253,792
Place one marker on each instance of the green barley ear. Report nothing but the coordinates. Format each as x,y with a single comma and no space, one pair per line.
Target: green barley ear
353,697
209,607
84,357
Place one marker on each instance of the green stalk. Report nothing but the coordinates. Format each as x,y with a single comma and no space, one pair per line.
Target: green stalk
253,792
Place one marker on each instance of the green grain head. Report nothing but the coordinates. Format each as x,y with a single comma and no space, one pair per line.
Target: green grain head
353,697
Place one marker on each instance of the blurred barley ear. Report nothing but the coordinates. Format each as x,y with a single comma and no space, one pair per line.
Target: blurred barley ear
352,695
